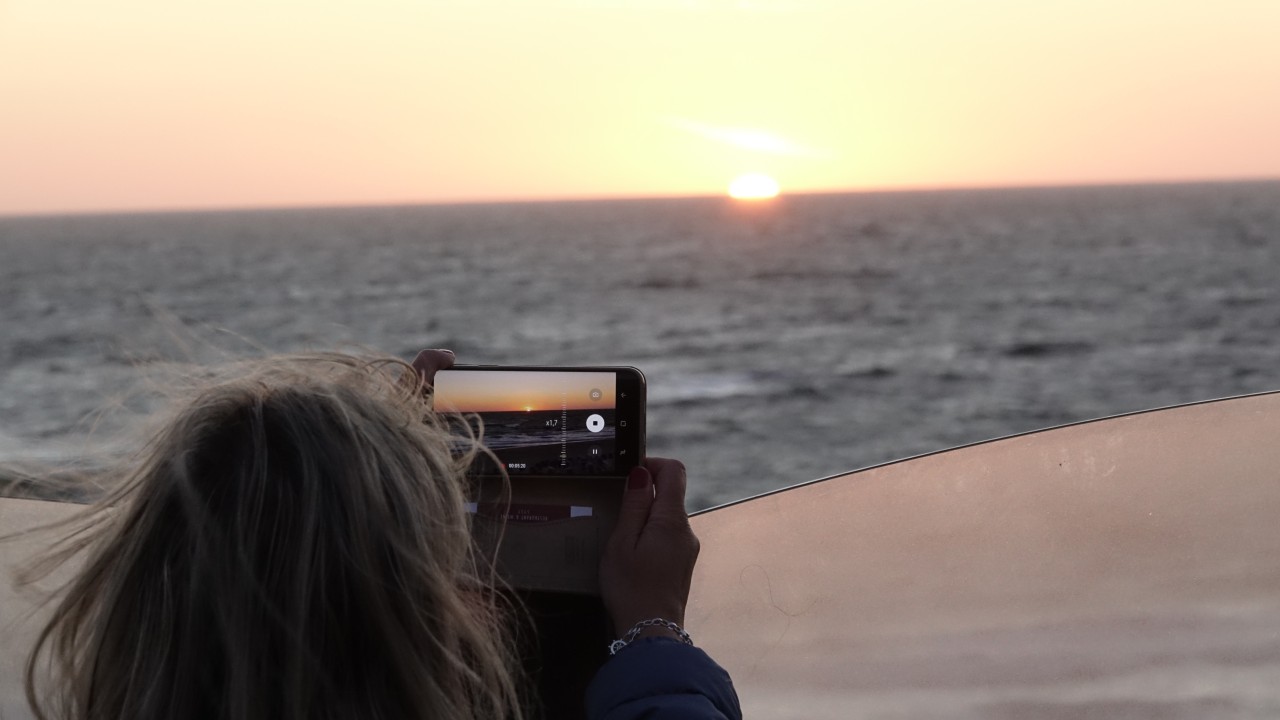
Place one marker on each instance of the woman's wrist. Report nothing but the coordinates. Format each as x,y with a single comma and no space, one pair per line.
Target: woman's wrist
657,631
652,627
624,622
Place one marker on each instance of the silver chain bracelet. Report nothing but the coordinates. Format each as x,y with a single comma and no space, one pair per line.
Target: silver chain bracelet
634,633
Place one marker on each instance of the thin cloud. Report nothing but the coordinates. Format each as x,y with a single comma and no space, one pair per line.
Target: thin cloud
752,139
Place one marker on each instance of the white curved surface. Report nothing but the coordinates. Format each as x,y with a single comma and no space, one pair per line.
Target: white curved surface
1125,568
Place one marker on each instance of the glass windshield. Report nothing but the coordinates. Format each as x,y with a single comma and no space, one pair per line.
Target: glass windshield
1124,568
17,623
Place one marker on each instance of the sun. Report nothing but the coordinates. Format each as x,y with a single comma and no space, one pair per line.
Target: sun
753,186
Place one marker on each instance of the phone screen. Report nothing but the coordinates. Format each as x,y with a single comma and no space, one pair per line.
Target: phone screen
560,421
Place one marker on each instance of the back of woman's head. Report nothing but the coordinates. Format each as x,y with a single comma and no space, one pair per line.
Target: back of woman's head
292,544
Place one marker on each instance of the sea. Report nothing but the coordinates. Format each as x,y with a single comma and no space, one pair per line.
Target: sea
782,341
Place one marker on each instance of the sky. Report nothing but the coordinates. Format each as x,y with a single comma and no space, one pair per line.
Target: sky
174,104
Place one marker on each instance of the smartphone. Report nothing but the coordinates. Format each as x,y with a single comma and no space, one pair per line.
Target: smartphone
551,421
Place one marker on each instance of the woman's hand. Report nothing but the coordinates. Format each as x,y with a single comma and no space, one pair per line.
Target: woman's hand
648,562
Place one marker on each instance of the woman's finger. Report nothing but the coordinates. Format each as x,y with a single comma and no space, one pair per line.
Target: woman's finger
636,504
668,486
428,362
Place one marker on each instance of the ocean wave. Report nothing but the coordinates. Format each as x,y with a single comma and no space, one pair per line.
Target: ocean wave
693,387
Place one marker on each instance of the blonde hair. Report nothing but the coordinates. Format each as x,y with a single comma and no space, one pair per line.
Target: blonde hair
292,543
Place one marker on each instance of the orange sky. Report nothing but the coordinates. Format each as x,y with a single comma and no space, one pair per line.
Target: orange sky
489,391
132,104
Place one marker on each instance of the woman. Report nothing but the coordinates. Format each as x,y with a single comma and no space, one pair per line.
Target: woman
292,543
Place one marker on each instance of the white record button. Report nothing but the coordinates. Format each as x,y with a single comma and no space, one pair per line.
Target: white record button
595,423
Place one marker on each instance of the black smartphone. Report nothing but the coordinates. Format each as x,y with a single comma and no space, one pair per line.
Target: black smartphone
579,430
551,421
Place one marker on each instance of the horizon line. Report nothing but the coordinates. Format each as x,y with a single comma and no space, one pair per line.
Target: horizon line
387,204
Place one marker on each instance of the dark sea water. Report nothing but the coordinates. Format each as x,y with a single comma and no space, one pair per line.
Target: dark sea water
530,429
781,342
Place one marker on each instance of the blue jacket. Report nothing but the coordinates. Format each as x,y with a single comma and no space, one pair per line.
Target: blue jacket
662,679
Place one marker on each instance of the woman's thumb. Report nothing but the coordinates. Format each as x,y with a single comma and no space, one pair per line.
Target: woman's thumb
636,503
